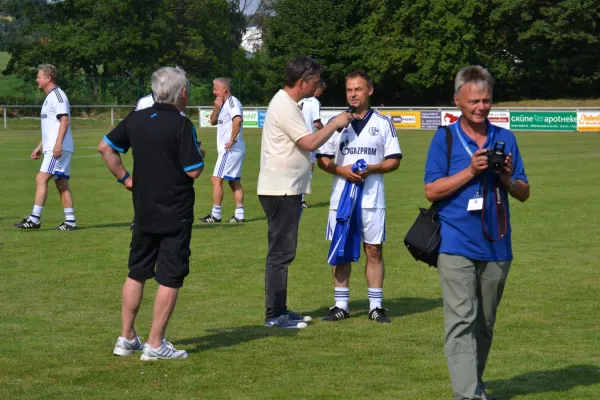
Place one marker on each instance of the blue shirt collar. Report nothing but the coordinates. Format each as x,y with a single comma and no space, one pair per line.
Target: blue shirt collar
490,134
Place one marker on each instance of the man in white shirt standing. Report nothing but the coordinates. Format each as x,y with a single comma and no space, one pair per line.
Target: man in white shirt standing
228,115
311,110
57,148
371,137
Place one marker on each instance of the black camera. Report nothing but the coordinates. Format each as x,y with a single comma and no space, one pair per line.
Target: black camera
496,157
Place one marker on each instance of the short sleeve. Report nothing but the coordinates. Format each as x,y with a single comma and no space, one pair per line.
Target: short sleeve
391,146
62,104
436,165
189,152
118,138
236,108
293,126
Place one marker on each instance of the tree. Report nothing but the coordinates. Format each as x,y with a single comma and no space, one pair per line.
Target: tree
115,44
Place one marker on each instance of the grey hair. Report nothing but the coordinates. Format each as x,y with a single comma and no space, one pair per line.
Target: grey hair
473,74
225,82
50,71
167,84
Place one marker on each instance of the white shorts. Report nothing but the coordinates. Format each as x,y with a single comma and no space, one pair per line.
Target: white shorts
59,167
373,225
313,156
229,165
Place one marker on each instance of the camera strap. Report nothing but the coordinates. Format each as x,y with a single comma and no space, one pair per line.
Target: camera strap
500,211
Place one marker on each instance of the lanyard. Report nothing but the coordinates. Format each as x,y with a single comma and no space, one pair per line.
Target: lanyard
465,145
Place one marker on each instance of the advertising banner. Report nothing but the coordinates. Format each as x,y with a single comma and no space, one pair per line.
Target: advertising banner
450,116
500,118
431,119
326,115
543,121
250,119
588,121
261,118
404,119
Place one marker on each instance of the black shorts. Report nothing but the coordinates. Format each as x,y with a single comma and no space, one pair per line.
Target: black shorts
168,252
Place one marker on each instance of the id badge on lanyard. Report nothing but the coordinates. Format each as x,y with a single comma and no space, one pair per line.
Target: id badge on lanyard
476,202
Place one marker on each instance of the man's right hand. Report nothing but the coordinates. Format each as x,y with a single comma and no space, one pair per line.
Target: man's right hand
343,120
219,102
36,153
128,184
347,174
479,162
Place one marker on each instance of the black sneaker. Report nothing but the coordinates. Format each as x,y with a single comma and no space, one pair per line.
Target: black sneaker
304,205
65,227
483,392
210,219
335,314
379,314
28,224
235,220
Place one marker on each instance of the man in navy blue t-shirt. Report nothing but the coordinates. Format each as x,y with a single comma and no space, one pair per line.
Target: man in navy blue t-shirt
472,201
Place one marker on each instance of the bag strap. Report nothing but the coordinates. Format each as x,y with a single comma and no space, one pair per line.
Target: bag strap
448,156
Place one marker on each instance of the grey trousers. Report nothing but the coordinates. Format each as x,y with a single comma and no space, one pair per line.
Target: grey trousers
472,291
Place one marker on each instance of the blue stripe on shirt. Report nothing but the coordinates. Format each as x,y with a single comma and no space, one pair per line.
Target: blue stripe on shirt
195,166
114,146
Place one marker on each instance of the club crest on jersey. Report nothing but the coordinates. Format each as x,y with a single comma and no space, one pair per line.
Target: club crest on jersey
373,131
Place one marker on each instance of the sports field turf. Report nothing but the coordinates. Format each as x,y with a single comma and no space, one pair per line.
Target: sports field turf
60,291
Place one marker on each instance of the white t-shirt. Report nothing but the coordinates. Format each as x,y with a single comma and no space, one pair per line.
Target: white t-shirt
230,109
311,110
376,142
148,101
284,166
55,105
145,102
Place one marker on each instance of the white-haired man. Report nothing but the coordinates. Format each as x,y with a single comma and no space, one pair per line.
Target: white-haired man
167,160
227,114
57,147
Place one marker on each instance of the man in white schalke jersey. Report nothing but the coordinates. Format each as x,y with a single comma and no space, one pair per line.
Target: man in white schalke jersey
57,147
311,111
228,115
371,137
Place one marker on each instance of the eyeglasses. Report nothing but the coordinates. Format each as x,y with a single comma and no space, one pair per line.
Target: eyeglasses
311,66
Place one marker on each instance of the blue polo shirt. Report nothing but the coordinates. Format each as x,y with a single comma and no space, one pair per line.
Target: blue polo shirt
462,230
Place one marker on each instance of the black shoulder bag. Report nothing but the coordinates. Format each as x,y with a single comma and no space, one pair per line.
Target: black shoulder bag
423,238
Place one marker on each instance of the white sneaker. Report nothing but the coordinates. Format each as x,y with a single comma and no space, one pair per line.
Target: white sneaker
125,347
164,352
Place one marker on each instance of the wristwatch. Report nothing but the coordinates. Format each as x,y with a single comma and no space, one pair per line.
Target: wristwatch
511,184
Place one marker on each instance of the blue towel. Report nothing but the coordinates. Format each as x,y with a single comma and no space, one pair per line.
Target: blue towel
345,245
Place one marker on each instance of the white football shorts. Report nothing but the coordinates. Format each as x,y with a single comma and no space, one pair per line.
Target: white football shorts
59,167
373,225
229,165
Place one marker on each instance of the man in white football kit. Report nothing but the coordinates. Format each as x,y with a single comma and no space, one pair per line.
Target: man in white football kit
371,137
228,115
311,111
57,147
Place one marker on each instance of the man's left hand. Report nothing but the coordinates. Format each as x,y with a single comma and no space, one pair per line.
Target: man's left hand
229,144
57,151
508,170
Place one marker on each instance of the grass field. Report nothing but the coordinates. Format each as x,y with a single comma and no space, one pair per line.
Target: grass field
60,291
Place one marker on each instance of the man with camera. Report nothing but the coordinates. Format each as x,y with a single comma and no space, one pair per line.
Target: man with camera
471,193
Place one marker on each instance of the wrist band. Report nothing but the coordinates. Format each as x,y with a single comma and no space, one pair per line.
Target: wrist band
123,179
